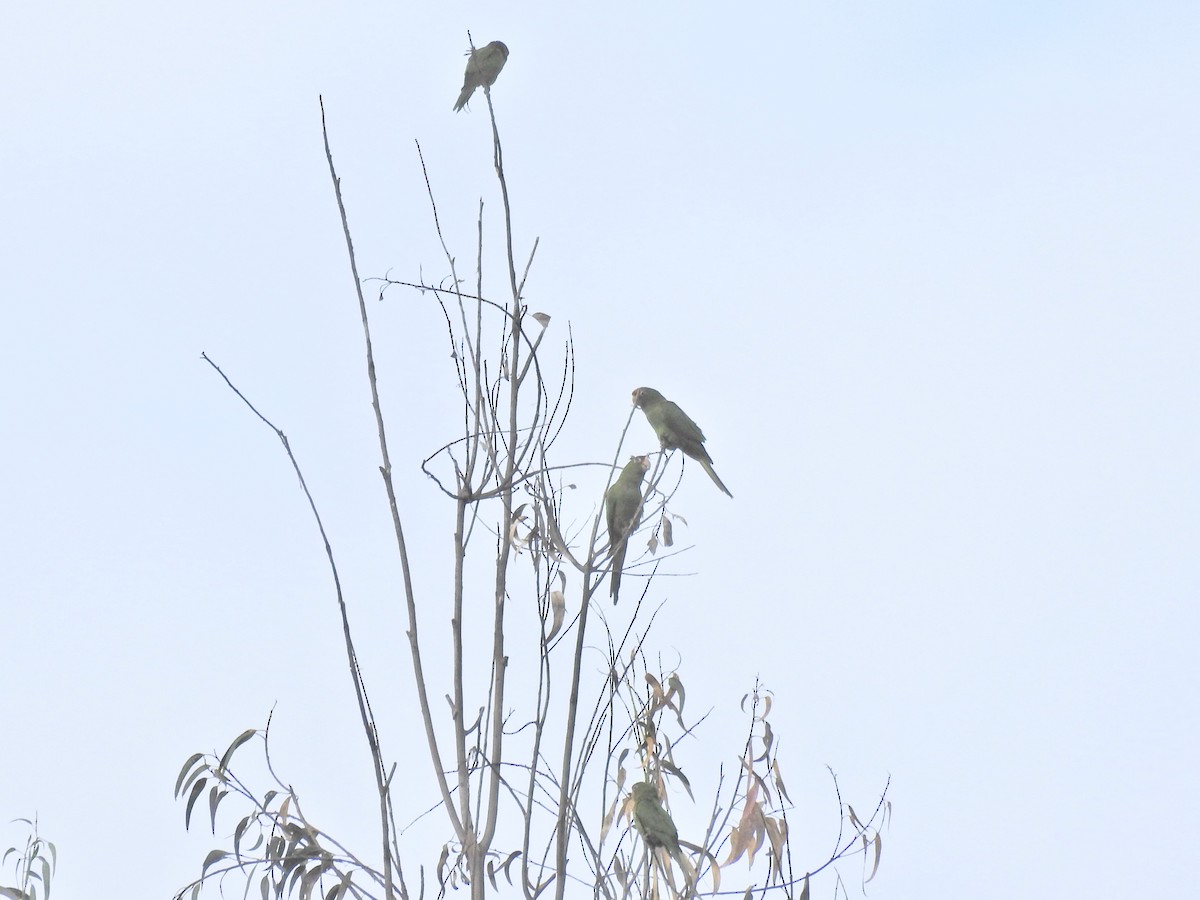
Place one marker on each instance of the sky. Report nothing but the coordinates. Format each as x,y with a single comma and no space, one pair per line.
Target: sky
925,273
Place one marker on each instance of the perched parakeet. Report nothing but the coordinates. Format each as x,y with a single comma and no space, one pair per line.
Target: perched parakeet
653,822
483,66
623,506
675,430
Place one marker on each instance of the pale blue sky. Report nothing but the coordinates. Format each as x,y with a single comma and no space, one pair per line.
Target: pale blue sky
924,272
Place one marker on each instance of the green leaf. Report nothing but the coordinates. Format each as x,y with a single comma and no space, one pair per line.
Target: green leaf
238,833
196,790
237,742
512,857
46,875
853,818
214,798
214,857
197,772
310,881
191,761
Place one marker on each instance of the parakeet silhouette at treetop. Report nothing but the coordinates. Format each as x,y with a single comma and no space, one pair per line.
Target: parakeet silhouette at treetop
675,430
483,66
623,509
653,822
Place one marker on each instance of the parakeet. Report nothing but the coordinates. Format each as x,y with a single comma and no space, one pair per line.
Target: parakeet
623,506
675,430
653,822
483,66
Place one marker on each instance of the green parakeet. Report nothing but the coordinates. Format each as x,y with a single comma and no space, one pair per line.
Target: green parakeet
675,430
623,506
483,66
653,822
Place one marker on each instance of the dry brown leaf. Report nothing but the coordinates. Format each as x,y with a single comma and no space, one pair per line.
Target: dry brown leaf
736,847
441,863
768,739
655,687
558,609
758,835
677,688
777,835
779,780
878,843
609,818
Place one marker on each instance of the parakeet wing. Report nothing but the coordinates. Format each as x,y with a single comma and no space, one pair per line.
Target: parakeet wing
652,821
489,61
680,424
483,66
676,430
623,510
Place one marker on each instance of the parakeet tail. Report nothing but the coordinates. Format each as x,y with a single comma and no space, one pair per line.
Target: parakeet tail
618,562
713,475
464,97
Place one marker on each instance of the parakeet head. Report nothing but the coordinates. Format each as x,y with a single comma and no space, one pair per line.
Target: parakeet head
644,395
644,791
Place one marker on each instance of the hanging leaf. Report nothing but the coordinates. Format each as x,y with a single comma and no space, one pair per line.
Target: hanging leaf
191,761
779,781
878,845
609,817
667,766
214,857
655,687
768,738
737,845
441,864
558,610
214,798
619,871
197,789
512,857
777,835
237,742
